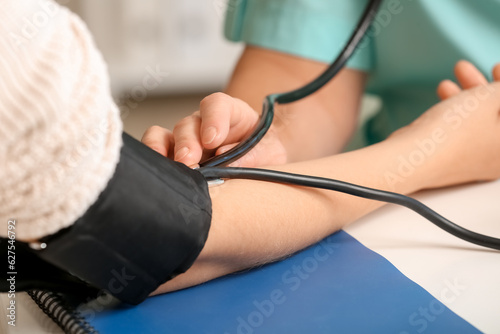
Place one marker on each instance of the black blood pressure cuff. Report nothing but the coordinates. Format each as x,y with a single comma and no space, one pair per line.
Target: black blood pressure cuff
147,226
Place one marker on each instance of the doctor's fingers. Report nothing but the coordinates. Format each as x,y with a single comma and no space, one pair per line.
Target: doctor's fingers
188,148
225,120
159,139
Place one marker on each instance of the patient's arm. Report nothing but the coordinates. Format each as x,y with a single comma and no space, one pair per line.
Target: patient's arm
257,222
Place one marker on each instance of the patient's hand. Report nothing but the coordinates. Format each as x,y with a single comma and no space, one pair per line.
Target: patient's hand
259,222
457,140
459,137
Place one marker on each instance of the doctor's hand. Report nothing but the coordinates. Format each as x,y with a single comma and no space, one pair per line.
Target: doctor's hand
220,124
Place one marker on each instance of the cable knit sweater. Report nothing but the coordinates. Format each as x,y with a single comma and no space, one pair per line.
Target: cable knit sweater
60,132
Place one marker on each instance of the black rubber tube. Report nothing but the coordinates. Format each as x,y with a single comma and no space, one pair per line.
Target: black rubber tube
209,171
267,116
355,190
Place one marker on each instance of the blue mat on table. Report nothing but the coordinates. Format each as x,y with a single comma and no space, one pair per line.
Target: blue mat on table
335,286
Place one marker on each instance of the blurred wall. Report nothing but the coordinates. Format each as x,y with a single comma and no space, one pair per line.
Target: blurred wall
181,38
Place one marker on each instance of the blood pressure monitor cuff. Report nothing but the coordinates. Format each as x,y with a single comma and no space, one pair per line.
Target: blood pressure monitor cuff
147,226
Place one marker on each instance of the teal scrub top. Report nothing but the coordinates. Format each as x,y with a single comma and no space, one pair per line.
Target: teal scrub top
413,44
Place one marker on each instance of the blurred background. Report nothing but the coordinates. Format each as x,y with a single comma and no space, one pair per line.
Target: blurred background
181,40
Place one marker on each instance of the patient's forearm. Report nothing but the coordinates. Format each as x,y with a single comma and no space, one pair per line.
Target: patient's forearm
256,222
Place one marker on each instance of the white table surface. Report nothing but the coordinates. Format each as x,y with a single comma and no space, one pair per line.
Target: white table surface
464,277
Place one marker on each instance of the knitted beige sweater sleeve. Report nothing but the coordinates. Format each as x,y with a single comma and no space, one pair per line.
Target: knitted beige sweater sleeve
60,132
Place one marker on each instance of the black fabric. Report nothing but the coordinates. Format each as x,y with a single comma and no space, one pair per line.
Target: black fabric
147,226
28,271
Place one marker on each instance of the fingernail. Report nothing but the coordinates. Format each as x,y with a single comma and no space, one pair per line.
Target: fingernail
182,153
209,135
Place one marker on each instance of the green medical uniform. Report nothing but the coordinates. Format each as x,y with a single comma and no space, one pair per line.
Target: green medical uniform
414,44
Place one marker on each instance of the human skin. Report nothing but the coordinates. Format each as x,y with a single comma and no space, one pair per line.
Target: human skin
317,126
332,112
257,222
